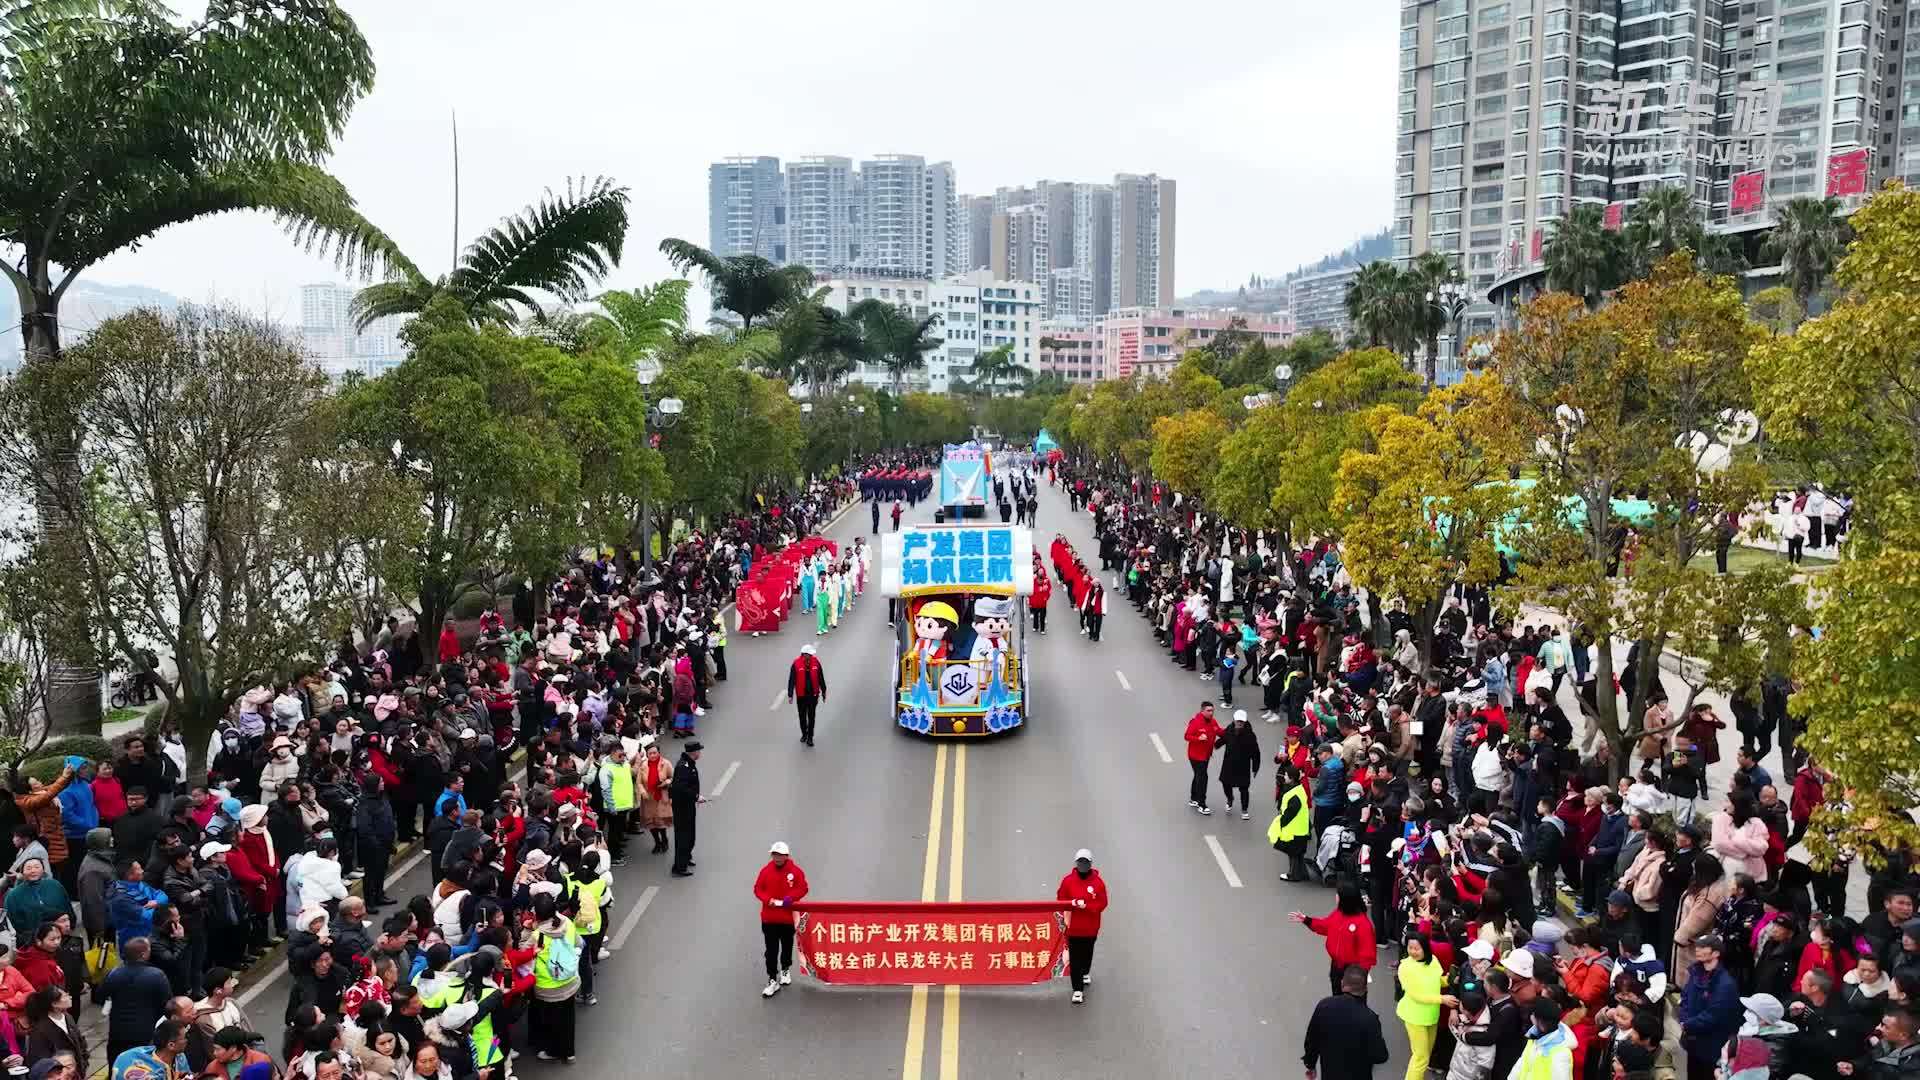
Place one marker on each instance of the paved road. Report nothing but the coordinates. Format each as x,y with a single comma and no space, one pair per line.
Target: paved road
1194,976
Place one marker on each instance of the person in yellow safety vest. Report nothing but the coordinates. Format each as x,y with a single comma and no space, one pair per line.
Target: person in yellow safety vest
1288,832
717,642
587,891
1548,1054
617,797
556,981
471,1013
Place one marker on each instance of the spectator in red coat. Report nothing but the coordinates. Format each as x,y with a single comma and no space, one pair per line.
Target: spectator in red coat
449,642
1087,892
109,798
1348,931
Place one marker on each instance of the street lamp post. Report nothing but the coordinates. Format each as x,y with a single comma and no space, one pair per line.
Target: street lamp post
1449,300
661,416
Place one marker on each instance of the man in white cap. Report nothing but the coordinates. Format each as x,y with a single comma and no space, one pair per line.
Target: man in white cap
780,885
807,688
1087,892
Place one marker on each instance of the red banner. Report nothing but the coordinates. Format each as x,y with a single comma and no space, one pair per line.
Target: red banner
1747,192
1614,216
1847,173
1533,252
991,943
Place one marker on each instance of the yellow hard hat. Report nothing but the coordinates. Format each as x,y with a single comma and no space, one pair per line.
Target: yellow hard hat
938,609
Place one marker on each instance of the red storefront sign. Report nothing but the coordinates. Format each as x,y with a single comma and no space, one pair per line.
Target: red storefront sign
1533,252
1847,173
1747,192
894,944
1614,216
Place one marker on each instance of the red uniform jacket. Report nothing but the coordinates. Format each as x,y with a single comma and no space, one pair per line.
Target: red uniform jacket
1089,897
787,884
1349,938
1203,734
1042,592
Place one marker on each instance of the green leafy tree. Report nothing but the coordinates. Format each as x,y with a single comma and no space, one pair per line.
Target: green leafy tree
120,120
1424,506
1583,256
1376,302
747,285
561,246
1809,237
897,339
1186,449
219,509
1619,406
466,419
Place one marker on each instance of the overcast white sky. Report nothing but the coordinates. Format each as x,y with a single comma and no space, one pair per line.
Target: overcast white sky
1275,118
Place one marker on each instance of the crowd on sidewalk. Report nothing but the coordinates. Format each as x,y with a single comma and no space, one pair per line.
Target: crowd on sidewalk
1552,906
180,883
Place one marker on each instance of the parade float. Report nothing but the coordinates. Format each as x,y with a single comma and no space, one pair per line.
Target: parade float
960,647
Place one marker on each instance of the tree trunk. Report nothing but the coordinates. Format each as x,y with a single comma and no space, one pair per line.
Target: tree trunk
74,704
1433,359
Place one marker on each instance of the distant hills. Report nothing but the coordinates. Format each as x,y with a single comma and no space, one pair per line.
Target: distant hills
1269,294
86,305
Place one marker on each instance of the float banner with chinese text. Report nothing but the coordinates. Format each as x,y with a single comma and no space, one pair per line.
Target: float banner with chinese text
956,558
977,944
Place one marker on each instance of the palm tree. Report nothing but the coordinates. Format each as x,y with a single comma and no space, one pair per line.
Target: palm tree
1583,255
1434,296
898,339
641,323
747,285
1375,298
1663,221
996,364
1809,237
120,121
560,245
818,344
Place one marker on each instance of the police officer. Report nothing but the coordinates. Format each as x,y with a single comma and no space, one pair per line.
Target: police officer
684,793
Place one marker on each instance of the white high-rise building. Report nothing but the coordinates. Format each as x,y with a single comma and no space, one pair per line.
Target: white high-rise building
977,313
941,220
746,208
1143,232
820,214
893,215
330,341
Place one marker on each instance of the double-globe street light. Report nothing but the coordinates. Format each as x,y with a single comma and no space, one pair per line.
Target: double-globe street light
1450,300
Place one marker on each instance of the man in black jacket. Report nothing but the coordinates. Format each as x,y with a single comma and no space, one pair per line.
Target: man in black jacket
1343,1037
1506,1023
684,793
139,993
1429,719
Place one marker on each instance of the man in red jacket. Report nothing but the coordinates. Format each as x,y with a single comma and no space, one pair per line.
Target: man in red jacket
1203,738
781,884
807,688
1087,892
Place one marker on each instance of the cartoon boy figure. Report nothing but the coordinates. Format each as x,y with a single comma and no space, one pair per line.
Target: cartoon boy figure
992,627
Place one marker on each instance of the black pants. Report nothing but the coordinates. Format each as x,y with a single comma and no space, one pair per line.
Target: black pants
1796,548
1093,625
550,1023
1596,879
779,941
589,956
615,830
1198,792
719,663
374,854
1039,616
1080,960
1224,677
683,833
1245,802
808,707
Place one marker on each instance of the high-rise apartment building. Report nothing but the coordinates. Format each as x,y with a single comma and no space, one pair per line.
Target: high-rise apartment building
1319,302
1021,248
821,227
893,215
940,221
975,233
333,345
746,208
1143,229
1093,241
1511,112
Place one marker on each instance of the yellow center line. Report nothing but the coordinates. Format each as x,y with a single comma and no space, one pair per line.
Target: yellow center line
950,1014
916,1050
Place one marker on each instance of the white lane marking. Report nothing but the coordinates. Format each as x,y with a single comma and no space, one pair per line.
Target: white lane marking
1122,676
1220,856
779,699
726,778
633,917
1160,747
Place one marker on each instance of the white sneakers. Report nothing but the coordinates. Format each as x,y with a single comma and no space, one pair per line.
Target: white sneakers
773,987
786,977
604,954
1079,998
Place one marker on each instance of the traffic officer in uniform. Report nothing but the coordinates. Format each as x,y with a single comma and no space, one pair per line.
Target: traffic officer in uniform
684,792
1087,892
